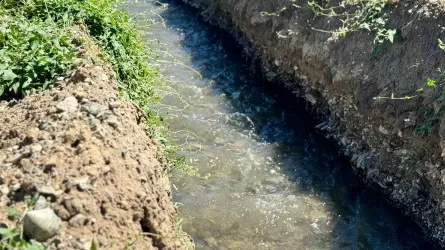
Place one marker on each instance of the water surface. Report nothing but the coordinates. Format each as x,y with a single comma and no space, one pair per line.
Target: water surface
267,180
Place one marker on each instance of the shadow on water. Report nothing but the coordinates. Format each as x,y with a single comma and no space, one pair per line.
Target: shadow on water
358,217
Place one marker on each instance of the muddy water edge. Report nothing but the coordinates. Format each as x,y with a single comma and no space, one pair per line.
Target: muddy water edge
267,179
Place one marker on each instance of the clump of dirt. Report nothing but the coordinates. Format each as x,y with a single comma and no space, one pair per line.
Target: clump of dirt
85,151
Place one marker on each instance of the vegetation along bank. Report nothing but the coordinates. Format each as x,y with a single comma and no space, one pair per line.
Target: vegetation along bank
373,72
81,163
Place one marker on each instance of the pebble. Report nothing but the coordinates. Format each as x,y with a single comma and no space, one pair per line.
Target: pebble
41,224
15,158
5,190
47,190
78,220
383,130
106,169
68,105
84,186
73,206
81,95
40,204
94,109
36,148
114,105
113,122
80,180
15,187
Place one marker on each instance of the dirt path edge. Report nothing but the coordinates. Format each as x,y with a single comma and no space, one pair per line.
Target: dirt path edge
84,149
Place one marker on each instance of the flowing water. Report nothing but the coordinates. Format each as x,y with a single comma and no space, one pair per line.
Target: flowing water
267,180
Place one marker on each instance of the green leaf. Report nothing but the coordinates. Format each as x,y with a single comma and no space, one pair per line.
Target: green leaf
391,34
441,44
33,246
430,83
8,233
15,87
365,26
4,231
11,211
93,246
419,90
8,75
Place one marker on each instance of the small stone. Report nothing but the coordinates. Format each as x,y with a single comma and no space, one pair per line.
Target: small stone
15,187
81,95
124,205
109,194
17,157
113,122
94,109
80,180
36,148
68,105
73,206
78,220
383,130
47,191
62,213
41,224
363,161
114,105
106,169
4,190
84,186
40,203
83,245
310,98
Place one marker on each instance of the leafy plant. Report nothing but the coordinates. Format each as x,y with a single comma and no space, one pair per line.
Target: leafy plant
32,53
354,15
10,239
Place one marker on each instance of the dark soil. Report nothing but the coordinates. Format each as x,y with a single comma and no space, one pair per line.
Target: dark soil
339,79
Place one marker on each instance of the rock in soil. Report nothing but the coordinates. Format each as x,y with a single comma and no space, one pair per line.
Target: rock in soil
41,224
40,203
68,105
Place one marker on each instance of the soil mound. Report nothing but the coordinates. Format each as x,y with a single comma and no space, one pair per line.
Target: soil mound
85,151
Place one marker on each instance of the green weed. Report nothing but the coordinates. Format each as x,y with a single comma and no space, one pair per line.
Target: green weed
354,15
32,53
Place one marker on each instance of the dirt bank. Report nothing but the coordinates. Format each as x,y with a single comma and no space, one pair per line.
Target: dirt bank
84,149
386,139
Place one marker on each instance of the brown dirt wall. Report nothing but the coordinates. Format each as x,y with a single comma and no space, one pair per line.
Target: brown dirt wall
339,78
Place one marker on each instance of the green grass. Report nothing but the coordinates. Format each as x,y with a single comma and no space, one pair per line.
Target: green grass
32,53
110,27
